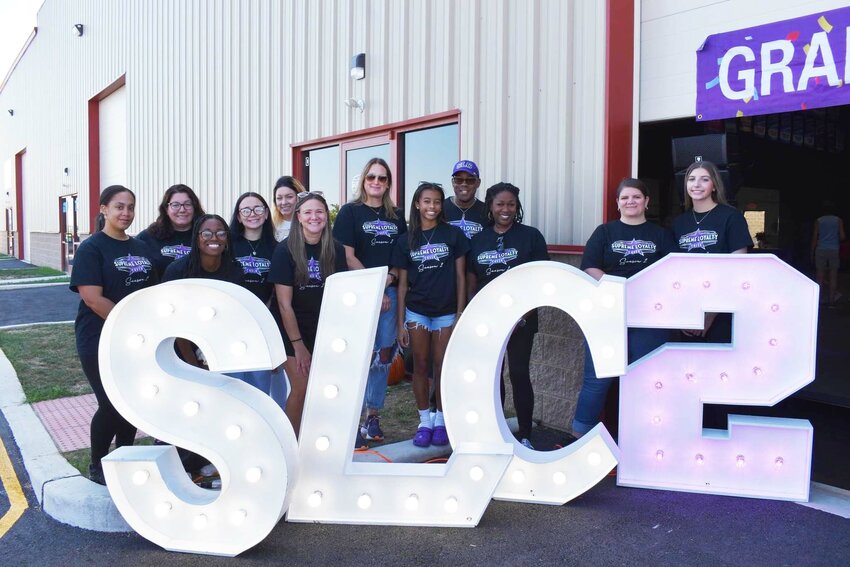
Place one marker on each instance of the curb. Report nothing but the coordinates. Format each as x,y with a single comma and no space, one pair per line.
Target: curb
63,493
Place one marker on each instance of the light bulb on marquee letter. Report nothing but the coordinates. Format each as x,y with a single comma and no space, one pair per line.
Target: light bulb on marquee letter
188,408
772,356
475,417
375,493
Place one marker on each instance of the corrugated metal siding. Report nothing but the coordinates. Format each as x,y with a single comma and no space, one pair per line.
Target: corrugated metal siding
672,30
217,90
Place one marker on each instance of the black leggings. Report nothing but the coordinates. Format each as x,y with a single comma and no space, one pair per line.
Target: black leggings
106,423
519,356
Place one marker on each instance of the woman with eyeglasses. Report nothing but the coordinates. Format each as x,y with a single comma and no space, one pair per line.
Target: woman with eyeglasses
211,257
368,228
109,266
170,235
252,234
300,266
504,244
622,248
431,264
286,191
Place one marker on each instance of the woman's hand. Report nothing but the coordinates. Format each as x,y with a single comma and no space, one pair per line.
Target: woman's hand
403,336
385,303
303,358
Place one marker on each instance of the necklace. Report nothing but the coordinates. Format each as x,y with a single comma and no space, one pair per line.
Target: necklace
705,216
376,210
253,248
428,238
462,210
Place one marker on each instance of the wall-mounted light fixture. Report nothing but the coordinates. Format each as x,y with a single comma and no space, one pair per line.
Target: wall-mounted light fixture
11,111
78,30
65,171
358,66
357,103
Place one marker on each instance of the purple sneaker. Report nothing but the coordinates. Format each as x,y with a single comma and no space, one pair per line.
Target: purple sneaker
441,436
423,437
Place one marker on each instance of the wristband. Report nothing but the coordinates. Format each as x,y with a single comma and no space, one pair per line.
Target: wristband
295,340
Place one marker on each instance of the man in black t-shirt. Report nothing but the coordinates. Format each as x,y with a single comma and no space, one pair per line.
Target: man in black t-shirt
464,210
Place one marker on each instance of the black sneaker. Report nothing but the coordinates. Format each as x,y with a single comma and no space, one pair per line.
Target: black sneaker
371,429
96,474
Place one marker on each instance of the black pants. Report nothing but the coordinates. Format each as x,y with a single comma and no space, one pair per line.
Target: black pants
519,357
106,423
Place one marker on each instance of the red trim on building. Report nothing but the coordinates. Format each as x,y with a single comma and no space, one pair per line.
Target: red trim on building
19,201
619,80
566,249
94,147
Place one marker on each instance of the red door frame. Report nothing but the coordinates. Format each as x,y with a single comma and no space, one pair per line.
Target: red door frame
94,146
19,200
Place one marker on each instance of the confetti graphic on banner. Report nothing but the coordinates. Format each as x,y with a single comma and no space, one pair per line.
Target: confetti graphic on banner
773,68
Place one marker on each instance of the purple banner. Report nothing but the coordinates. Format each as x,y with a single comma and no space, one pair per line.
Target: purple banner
789,65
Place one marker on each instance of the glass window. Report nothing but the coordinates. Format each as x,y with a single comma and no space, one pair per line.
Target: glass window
322,173
429,155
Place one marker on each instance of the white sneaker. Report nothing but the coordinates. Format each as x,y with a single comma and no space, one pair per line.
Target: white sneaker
526,443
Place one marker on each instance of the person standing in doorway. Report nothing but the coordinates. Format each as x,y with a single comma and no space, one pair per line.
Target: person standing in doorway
826,241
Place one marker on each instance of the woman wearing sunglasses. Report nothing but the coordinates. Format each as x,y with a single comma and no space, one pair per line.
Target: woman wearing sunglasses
368,228
170,235
300,266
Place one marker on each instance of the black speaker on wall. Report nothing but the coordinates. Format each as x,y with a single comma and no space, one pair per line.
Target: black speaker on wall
715,148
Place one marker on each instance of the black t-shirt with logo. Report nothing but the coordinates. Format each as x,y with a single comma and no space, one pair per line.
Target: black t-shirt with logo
492,254
119,267
168,250
369,232
431,269
255,259
720,231
621,249
306,299
471,220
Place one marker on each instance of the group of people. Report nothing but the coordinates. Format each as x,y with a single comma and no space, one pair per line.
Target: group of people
437,259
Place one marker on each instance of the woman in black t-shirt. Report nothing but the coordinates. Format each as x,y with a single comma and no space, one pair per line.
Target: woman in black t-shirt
621,248
368,228
252,233
709,226
300,266
507,243
431,267
211,257
170,235
109,266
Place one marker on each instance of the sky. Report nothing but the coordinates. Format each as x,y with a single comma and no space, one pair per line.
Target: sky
17,19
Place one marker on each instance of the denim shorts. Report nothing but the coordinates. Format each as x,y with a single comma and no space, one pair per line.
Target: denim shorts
430,323
387,331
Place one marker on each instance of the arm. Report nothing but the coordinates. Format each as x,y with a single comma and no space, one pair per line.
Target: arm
460,283
740,251
815,238
841,235
595,273
92,296
471,284
351,259
303,358
403,336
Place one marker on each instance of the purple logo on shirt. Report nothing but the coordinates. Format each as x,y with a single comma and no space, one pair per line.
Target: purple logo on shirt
698,239
494,258
314,272
469,228
633,246
430,253
132,264
175,251
382,231
254,265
